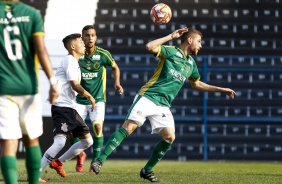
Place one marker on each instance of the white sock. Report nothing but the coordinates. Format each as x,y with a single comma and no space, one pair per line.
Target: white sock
76,149
57,146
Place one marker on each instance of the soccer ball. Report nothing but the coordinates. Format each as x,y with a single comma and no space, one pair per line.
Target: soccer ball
160,14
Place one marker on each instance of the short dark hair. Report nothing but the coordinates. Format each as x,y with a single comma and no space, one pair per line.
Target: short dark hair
191,31
85,28
69,38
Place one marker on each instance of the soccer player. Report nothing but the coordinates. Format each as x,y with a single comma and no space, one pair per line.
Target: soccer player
22,48
93,69
155,97
65,117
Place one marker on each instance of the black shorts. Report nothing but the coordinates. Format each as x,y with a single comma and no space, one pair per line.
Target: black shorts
67,120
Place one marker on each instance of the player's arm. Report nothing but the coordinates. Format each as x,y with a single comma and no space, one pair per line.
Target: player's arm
201,86
46,65
153,46
116,73
80,90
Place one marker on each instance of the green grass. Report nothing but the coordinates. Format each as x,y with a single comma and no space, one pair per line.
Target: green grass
121,171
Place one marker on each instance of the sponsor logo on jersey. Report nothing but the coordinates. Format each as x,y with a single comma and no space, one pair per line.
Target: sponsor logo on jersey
177,76
89,75
14,20
96,57
178,54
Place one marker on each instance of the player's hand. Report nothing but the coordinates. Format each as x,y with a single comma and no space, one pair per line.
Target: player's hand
119,88
229,92
92,101
179,32
53,93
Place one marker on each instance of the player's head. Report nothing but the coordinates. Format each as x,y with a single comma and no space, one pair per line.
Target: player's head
74,43
193,39
89,36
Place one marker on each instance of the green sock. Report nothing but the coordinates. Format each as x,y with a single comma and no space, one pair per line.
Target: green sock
9,167
33,157
75,140
96,147
113,142
158,153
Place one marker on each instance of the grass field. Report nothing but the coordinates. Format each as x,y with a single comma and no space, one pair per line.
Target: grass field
127,171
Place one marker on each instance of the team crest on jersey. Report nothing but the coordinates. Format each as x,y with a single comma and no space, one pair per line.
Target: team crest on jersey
188,69
96,57
178,54
96,65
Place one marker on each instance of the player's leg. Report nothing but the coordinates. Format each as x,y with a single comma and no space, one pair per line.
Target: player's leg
97,117
9,166
10,132
98,138
33,156
163,123
160,149
32,128
59,142
85,142
134,119
77,126
114,141
82,111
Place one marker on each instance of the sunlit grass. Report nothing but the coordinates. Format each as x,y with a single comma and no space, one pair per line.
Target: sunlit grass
127,171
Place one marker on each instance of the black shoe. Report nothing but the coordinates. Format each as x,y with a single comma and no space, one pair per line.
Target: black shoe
96,166
150,176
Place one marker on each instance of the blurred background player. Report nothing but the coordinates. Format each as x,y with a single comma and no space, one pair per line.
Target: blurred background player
65,117
22,44
93,69
155,97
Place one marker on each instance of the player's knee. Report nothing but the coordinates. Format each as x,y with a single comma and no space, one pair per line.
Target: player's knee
98,128
169,138
86,143
60,141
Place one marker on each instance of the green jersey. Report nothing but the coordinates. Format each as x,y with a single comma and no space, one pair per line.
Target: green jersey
18,66
169,76
93,74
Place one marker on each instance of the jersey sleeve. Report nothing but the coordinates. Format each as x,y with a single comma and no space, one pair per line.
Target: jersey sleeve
195,73
109,59
165,51
37,24
71,69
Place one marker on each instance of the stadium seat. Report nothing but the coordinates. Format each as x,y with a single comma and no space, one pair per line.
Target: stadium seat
219,62
220,112
257,112
257,130
242,62
242,44
263,61
264,44
221,43
122,27
225,28
276,112
102,27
